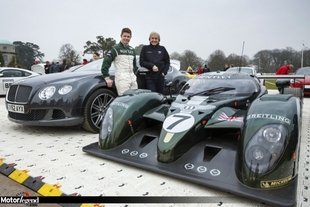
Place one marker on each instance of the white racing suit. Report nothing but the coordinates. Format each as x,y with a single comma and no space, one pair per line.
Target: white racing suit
124,59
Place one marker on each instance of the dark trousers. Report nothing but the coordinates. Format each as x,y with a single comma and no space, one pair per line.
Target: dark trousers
141,81
155,85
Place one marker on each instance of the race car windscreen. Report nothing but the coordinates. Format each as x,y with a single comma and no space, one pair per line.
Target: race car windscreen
223,85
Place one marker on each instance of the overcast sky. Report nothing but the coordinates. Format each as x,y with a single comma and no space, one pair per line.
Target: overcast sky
202,26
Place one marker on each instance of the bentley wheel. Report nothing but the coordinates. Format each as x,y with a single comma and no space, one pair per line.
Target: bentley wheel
95,109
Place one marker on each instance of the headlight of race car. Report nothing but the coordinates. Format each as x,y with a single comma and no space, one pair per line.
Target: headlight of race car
107,124
265,148
47,92
65,89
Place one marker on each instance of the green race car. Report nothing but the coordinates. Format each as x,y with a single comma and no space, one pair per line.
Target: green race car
223,131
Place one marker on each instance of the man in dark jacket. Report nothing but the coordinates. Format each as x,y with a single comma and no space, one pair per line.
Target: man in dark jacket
156,59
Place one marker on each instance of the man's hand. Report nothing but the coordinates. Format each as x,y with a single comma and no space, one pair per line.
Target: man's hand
109,82
155,68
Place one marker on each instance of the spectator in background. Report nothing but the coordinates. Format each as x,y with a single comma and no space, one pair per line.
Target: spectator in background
190,72
96,56
47,67
285,69
55,67
64,66
199,70
84,61
206,69
38,67
155,58
226,66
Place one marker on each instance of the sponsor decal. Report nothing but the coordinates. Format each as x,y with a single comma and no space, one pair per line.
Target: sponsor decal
275,183
215,172
143,155
168,137
125,51
270,116
125,151
217,77
189,107
178,122
202,169
134,153
194,103
189,166
223,117
7,83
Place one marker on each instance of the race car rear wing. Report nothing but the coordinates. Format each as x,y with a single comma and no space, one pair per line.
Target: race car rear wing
294,77
282,81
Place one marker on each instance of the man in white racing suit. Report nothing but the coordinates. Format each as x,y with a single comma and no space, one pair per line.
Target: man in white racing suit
124,59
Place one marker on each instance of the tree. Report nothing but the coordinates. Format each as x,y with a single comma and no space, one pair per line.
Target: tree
269,61
176,56
216,60
264,61
237,60
26,53
138,49
306,58
102,45
68,53
1,60
12,63
189,58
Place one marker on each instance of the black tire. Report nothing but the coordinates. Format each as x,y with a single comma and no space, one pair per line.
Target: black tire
297,92
95,108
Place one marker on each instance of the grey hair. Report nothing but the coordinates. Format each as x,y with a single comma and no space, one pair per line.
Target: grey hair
154,34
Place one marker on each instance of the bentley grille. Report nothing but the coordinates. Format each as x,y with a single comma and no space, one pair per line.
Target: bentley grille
19,93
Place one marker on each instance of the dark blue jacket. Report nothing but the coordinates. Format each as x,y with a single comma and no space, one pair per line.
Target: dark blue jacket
155,55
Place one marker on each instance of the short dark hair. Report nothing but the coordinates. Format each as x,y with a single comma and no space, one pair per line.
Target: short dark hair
126,30
96,53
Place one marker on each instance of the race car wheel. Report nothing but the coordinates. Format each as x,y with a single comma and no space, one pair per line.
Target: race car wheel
95,109
297,92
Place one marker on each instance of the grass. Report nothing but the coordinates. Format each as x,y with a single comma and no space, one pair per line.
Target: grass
270,84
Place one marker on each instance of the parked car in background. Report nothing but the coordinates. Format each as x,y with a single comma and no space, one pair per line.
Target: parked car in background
247,70
302,83
9,75
174,79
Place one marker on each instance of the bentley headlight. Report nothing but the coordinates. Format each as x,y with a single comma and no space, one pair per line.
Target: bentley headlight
65,89
47,92
106,126
265,148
